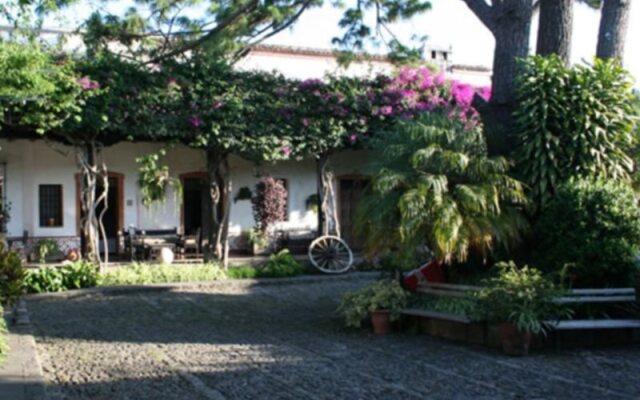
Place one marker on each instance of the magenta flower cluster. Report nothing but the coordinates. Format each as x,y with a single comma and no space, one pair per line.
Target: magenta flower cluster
87,84
416,90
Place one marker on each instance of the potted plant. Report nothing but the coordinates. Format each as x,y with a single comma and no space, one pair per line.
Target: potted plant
381,302
259,242
520,300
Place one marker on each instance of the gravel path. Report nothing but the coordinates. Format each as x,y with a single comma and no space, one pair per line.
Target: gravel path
285,342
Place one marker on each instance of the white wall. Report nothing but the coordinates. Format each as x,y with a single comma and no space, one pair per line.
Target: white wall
31,163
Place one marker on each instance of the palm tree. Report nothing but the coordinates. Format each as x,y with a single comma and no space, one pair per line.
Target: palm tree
434,184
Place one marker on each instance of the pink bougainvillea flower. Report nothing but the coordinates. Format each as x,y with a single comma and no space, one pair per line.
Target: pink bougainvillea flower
407,74
439,79
485,93
353,138
195,121
306,122
462,93
386,110
87,84
217,104
286,150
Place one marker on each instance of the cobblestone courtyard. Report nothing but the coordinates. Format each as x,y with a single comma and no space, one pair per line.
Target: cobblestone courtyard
237,341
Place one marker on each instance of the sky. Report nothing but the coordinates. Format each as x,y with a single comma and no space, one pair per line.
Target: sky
448,24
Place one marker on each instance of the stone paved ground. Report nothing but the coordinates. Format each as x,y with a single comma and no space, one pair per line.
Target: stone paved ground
285,342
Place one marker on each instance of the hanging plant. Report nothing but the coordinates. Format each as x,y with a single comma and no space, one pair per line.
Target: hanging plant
244,193
312,203
154,179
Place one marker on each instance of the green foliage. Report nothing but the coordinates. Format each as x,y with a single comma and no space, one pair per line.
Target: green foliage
464,306
5,214
435,185
242,273
12,276
573,121
78,275
522,296
46,248
4,345
154,179
258,238
381,295
590,230
36,90
142,274
280,265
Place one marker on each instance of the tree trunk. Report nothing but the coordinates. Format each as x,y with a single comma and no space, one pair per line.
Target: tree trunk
511,27
613,29
321,168
555,28
90,222
218,180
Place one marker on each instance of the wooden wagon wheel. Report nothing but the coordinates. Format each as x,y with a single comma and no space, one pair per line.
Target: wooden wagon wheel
330,254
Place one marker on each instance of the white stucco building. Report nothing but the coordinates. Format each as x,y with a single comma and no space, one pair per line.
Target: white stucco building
39,179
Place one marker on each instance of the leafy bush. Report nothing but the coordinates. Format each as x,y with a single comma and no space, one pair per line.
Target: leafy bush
591,231
464,306
280,265
269,203
78,275
435,185
242,273
12,276
4,346
381,295
522,296
573,121
141,274
46,248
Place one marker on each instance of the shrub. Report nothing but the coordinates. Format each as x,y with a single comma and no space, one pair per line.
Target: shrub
381,295
4,346
280,265
46,248
434,184
12,276
573,121
464,306
242,273
269,203
141,274
522,296
78,275
591,231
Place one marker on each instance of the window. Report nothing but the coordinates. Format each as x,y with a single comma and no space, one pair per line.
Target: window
50,198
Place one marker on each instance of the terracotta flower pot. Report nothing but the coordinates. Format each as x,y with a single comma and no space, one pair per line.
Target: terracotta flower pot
514,341
381,321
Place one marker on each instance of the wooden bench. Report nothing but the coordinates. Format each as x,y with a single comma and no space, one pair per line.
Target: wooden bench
585,296
446,290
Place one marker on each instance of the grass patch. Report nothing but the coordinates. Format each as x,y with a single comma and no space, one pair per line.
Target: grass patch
142,274
4,345
242,273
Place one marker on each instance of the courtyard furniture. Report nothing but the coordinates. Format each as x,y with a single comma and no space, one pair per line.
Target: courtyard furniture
584,296
442,289
143,245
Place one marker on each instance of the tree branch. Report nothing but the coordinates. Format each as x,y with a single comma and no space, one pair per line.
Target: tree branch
250,6
483,11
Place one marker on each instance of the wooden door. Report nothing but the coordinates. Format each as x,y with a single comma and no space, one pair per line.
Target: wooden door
350,191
